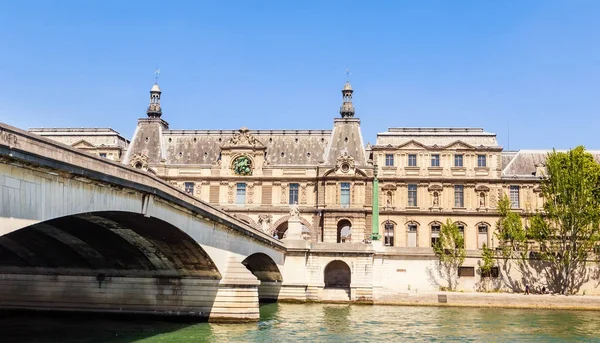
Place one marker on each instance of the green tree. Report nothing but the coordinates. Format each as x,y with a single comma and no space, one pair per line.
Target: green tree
510,231
568,229
450,249
565,233
487,259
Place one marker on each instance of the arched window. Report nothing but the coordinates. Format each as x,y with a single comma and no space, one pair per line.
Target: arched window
482,235
344,231
461,229
388,233
436,227
411,239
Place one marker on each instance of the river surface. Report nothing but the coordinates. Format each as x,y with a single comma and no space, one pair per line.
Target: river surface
318,323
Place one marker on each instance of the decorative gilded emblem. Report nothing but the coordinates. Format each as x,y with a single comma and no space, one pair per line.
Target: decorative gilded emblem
242,166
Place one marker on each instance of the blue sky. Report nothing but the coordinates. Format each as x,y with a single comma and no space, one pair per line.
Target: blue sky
533,66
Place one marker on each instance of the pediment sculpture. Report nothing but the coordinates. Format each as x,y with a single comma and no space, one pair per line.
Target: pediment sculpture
139,161
345,163
243,138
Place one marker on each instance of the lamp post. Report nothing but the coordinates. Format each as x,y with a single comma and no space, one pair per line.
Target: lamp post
375,236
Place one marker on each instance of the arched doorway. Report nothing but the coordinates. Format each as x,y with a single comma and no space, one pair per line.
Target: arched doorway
344,231
337,275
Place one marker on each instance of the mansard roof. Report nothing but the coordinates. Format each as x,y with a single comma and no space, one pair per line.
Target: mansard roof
440,137
523,163
283,147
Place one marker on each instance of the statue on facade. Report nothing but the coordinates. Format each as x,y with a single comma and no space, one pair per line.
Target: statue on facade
436,199
482,199
294,211
265,221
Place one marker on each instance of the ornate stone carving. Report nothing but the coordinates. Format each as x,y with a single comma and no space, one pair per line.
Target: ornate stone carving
230,193
345,163
265,221
250,192
482,199
243,138
242,165
8,138
284,199
303,194
139,161
294,211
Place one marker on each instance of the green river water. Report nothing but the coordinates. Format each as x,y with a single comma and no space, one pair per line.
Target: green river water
318,323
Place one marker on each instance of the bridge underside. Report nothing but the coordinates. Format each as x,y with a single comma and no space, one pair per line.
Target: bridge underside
125,262
114,243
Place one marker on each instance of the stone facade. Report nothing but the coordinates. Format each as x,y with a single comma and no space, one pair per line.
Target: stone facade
103,142
425,176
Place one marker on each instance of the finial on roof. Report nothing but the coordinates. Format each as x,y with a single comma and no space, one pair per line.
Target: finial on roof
347,109
154,109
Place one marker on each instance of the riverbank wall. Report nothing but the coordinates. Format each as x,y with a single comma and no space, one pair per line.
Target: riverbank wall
493,300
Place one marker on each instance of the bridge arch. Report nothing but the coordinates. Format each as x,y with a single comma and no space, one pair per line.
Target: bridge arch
107,243
267,272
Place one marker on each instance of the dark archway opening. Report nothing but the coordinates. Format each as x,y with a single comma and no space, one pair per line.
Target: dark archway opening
337,275
280,230
266,271
107,262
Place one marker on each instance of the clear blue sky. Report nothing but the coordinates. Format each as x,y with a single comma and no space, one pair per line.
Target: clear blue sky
533,65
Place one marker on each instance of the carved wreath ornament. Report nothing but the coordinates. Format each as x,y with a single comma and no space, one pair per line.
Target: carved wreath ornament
242,166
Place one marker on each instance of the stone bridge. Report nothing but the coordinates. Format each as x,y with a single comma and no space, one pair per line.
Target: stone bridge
79,232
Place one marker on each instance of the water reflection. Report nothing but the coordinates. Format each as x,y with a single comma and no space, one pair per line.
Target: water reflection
319,323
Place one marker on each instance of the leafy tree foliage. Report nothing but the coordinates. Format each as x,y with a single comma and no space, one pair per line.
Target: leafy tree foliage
568,229
450,249
566,232
487,258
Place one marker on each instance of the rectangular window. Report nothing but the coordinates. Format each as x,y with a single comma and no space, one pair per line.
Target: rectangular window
459,196
240,194
189,187
412,195
412,235
293,193
481,161
345,194
103,154
494,272
514,196
458,160
466,271
482,232
412,160
389,160
435,234
435,160
461,229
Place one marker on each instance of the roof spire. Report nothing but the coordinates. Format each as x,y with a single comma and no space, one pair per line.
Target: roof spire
347,109
154,109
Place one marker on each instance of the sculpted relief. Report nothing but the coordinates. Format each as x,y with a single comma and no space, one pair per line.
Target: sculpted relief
242,166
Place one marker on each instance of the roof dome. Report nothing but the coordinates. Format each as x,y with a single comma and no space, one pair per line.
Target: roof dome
155,88
347,86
